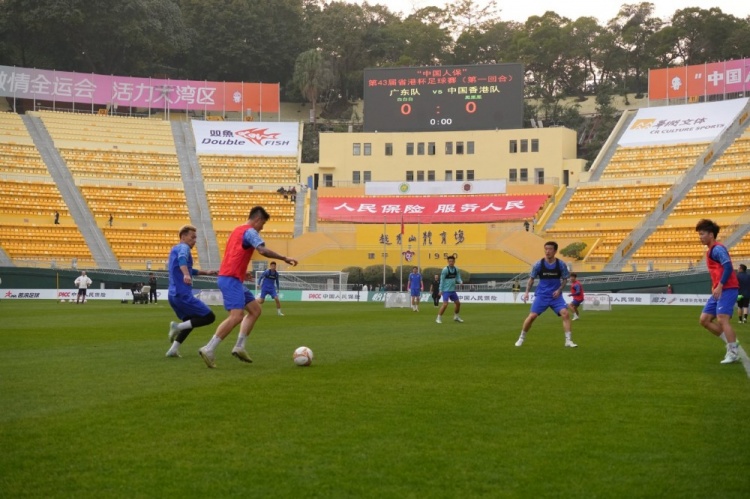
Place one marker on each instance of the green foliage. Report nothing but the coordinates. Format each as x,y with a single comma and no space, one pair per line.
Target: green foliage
356,275
574,250
374,275
313,75
393,405
248,40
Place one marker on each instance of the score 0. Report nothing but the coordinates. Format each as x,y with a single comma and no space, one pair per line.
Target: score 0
406,109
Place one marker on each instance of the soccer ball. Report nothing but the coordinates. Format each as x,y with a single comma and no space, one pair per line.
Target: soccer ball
303,356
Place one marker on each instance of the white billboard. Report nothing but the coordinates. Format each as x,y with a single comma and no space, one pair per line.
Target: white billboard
246,138
435,188
681,124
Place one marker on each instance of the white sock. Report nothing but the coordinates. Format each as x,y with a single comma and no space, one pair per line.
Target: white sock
184,325
213,343
723,337
241,338
523,335
568,335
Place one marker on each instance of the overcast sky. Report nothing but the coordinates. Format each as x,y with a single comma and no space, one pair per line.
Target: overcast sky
603,10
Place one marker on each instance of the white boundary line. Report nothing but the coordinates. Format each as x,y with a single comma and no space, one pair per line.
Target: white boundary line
745,359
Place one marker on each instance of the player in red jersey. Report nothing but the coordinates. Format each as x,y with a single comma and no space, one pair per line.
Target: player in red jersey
717,313
242,243
576,292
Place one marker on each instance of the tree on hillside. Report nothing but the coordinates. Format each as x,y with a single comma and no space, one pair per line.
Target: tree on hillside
251,41
128,37
705,35
634,26
313,76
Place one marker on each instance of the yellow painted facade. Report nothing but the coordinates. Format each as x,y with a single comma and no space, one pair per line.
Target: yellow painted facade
523,156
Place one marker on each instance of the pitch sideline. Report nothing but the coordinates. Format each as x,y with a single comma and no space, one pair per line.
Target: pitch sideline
745,359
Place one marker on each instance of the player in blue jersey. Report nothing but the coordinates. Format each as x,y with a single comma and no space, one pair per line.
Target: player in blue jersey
553,275
269,285
191,311
415,288
449,277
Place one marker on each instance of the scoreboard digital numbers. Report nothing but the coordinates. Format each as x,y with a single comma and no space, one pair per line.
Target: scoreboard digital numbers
443,98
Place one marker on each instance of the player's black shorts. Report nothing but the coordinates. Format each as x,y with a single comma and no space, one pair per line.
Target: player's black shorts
744,302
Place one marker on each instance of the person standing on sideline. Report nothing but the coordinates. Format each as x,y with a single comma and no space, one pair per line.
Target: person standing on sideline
743,299
576,292
152,281
57,218
111,219
552,274
83,282
190,310
242,242
717,313
269,285
435,290
449,277
515,288
416,286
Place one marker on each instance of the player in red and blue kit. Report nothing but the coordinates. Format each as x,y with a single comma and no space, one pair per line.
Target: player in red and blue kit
717,313
552,274
415,288
191,311
576,292
269,285
242,243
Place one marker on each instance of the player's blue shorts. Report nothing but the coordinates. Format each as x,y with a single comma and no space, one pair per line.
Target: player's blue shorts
187,306
576,303
542,303
268,291
450,296
235,295
415,292
724,305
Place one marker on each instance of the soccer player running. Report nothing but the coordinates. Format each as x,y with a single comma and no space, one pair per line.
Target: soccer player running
269,285
449,277
743,300
242,242
576,292
552,274
717,313
416,286
191,311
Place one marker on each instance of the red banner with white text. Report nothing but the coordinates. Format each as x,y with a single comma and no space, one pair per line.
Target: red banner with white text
432,209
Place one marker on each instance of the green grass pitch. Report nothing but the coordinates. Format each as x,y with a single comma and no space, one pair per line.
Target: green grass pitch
394,405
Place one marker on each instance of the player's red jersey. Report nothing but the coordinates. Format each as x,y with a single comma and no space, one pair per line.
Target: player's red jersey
576,291
716,270
236,258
